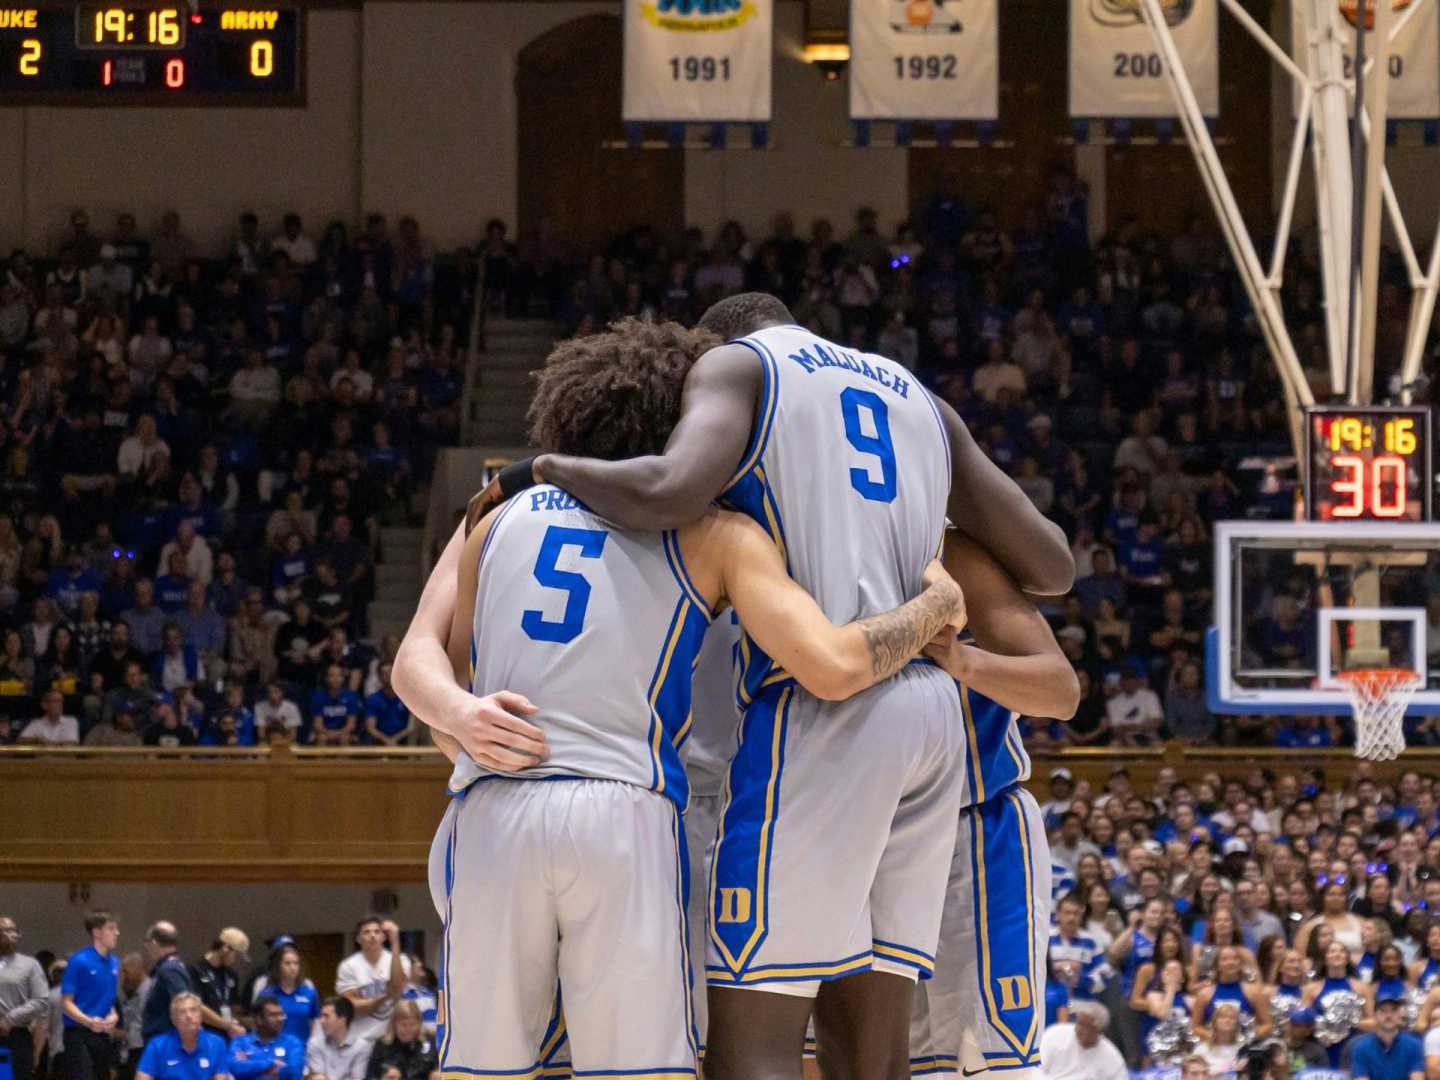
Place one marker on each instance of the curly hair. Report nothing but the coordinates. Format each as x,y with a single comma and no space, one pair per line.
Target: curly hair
744,313
615,394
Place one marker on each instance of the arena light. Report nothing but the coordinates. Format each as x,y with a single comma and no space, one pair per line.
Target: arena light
829,57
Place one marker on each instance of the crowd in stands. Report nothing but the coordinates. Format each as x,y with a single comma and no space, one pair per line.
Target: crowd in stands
198,451
103,1011
1123,384
1290,913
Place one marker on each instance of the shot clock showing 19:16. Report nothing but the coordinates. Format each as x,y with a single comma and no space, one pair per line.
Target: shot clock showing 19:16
171,53
1369,463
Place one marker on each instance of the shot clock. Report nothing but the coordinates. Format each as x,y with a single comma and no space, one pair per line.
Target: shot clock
1368,464
162,52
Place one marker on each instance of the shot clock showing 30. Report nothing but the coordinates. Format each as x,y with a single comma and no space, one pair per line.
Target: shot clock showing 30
1369,464
158,53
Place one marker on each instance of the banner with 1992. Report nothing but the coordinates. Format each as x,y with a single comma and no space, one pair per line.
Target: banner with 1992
924,60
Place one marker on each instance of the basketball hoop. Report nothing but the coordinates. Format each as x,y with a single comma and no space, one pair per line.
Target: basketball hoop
1378,698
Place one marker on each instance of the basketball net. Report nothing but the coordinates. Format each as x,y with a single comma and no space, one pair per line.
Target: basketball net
1378,698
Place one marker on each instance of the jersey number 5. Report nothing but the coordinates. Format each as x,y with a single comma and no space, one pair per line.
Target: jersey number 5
852,400
591,543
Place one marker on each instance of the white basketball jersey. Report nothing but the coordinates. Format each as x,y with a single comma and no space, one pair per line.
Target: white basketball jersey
597,626
849,471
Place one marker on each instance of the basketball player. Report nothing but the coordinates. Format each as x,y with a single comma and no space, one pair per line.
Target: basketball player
983,1012
849,464
586,881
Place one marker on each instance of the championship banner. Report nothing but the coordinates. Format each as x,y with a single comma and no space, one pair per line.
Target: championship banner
924,60
1116,69
698,60
1414,65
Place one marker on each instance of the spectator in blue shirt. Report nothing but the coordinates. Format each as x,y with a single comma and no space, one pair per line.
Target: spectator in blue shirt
172,589
1303,732
68,585
1388,1053
171,979
270,1051
146,621
334,711
202,628
387,720
88,995
186,1051
285,982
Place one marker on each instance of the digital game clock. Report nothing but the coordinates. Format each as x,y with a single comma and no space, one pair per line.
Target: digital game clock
1368,463
218,52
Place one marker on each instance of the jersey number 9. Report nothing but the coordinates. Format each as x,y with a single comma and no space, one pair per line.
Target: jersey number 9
852,400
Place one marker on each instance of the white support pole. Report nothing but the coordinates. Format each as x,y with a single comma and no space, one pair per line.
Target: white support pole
1422,310
1334,186
1292,186
1377,102
1242,249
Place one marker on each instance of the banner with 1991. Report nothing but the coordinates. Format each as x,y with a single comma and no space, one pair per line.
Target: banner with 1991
698,60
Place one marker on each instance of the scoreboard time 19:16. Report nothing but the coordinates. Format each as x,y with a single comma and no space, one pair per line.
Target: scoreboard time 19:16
1369,463
158,53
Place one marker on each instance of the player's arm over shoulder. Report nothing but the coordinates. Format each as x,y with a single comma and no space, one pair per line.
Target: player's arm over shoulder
990,508
666,491
737,564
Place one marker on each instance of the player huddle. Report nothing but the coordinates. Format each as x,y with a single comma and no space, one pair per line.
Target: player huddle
699,669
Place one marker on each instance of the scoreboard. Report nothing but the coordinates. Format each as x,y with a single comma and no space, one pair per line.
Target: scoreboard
213,52
1368,463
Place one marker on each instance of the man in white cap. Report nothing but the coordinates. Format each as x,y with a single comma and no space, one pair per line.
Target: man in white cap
1062,790
111,281
217,982
1080,1050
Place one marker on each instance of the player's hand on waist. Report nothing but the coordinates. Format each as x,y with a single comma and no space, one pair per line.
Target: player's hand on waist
952,654
936,574
493,732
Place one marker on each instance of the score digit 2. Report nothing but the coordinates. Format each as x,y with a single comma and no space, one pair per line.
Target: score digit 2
1379,494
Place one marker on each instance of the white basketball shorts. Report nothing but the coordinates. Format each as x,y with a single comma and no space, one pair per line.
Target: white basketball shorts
984,1010
837,832
568,891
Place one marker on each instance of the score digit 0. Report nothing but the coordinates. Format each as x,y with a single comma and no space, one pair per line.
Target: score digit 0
262,59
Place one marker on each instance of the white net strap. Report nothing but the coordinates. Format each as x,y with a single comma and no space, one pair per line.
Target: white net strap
1379,700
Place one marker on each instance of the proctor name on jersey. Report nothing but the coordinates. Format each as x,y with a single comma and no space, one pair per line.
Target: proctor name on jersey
823,358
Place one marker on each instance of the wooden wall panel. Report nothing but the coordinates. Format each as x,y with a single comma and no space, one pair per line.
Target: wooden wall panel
344,816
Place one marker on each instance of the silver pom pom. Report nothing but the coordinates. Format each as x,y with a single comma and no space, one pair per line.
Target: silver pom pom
1414,1002
1340,1011
1170,1039
1281,1006
1247,1029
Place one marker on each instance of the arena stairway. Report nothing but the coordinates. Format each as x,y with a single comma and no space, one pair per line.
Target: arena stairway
399,576
499,386
497,393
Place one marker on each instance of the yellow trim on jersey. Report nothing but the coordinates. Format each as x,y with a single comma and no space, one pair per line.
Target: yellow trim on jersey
991,1008
974,740
772,513
670,541
467,1074
558,1034
733,962
557,1072
753,454
1037,1007
1010,738
910,956
655,723
680,871
788,974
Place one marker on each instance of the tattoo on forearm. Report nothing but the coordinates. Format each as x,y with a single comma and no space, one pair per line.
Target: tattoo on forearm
898,635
